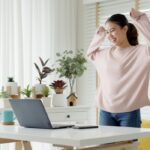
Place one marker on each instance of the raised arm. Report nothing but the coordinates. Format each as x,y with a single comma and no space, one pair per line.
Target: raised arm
96,42
142,23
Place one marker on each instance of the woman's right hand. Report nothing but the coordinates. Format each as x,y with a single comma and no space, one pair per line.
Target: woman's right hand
96,42
100,30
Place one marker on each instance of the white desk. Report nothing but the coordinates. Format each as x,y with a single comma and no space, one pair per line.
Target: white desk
73,137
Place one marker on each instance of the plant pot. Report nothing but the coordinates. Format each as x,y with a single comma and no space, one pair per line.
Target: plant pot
58,90
12,88
59,100
38,89
4,103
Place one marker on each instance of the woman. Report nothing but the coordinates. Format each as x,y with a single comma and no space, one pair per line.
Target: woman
123,69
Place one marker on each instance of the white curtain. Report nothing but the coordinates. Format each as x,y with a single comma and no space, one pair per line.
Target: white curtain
33,28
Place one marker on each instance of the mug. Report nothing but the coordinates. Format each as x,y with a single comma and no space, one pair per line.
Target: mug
7,117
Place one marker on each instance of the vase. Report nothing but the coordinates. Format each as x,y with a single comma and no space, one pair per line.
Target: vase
59,100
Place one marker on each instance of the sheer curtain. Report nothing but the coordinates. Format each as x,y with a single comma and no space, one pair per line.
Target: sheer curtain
33,28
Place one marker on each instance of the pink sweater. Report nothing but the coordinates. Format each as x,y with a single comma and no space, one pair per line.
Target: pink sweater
124,74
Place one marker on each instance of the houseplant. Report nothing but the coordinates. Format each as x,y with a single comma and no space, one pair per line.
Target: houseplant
71,66
27,91
4,99
46,99
43,72
45,91
58,99
4,94
58,86
12,88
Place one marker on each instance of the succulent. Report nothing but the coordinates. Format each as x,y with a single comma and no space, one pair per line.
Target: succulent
58,84
43,73
4,94
45,91
27,91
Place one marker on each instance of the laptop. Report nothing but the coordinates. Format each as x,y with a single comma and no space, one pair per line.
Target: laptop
31,113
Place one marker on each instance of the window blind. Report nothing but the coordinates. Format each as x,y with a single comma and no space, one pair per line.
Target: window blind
87,83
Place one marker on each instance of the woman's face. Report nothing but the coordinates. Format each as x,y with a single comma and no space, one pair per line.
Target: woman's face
116,34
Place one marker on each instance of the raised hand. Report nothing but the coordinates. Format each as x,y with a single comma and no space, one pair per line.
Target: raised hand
135,14
100,30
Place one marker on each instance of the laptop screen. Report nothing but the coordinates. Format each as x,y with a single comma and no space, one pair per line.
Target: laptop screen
31,113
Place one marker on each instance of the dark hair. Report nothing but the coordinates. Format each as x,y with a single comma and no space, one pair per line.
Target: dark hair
121,20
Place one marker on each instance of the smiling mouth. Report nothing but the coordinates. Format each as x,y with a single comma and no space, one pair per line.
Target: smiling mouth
113,40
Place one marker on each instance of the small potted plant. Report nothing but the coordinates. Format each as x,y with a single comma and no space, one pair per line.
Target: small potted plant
58,86
58,99
27,91
43,73
46,99
46,91
4,99
12,88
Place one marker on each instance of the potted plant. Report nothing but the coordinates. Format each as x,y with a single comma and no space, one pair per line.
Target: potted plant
12,88
4,94
27,91
4,99
58,99
43,73
46,99
71,66
45,91
58,86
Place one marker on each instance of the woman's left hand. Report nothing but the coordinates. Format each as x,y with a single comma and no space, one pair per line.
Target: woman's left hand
135,14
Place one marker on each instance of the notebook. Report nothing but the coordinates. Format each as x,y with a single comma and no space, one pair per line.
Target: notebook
31,113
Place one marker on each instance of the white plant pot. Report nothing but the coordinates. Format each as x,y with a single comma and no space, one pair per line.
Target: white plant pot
59,100
39,88
12,88
4,103
47,101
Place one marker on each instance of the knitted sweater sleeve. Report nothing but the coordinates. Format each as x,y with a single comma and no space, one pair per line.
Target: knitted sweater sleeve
95,44
142,23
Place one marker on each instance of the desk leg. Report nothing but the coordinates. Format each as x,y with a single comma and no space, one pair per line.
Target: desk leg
26,145
18,146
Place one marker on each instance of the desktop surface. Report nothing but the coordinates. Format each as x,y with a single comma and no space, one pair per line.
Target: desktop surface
74,137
